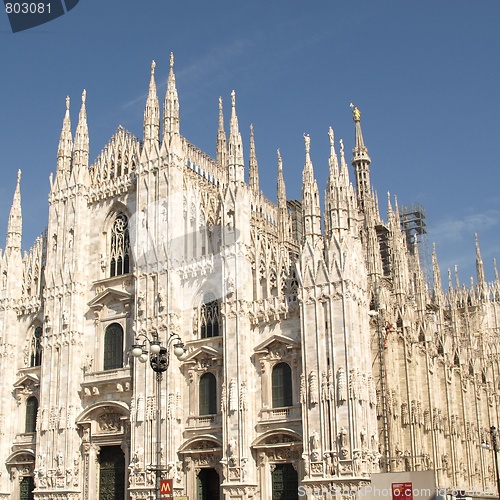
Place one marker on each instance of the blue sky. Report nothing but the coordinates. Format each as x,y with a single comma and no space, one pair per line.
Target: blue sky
425,76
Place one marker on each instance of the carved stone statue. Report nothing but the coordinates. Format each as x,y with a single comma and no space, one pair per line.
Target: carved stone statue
341,385
315,446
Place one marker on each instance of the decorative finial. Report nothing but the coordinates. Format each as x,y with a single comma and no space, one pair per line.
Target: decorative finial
220,103
153,66
341,142
19,176
356,113
307,141
251,130
67,102
332,137
279,159
84,96
171,60
233,98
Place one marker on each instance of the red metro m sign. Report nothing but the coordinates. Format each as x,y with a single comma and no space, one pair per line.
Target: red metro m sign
166,488
402,491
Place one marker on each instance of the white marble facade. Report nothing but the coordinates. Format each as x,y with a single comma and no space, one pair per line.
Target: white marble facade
316,352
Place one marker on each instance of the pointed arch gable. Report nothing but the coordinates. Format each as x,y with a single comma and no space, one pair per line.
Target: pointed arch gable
116,207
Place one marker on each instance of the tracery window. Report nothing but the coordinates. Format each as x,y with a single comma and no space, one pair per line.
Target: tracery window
113,347
208,394
282,385
36,347
120,247
210,316
31,412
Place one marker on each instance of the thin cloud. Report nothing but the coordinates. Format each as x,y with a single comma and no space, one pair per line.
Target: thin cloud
213,62
454,230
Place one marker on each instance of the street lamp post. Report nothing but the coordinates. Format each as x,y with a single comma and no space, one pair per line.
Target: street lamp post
159,358
494,442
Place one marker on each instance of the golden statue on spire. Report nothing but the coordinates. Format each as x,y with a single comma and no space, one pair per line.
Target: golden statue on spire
356,113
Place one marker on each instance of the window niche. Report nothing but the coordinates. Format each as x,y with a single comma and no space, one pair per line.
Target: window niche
33,347
111,309
206,320
207,392
31,414
203,369
27,393
113,347
119,262
278,359
281,385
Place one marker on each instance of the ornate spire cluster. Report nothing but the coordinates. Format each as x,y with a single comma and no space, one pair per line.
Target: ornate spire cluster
310,197
221,146
152,115
235,159
283,216
361,161
253,170
65,149
15,224
81,146
171,119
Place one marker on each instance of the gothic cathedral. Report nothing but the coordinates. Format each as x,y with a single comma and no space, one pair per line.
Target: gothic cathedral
313,353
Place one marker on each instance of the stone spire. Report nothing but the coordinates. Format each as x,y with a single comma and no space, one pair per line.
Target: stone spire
361,161
331,203
332,160
254,167
283,216
221,147
235,161
340,211
481,280
171,121
65,149
436,274
457,280
152,114
310,197
15,224
81,145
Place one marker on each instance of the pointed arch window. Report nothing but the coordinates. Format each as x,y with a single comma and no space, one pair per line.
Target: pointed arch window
282,385
31,412
120,247
36,347
210,317
208,394
113,347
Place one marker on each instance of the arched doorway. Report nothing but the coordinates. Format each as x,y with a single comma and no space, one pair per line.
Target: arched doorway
208,485
105,443
111,473
278,453
202,461
285,482
21,465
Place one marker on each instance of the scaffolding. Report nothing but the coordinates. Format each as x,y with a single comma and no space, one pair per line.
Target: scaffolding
413,223
412,219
